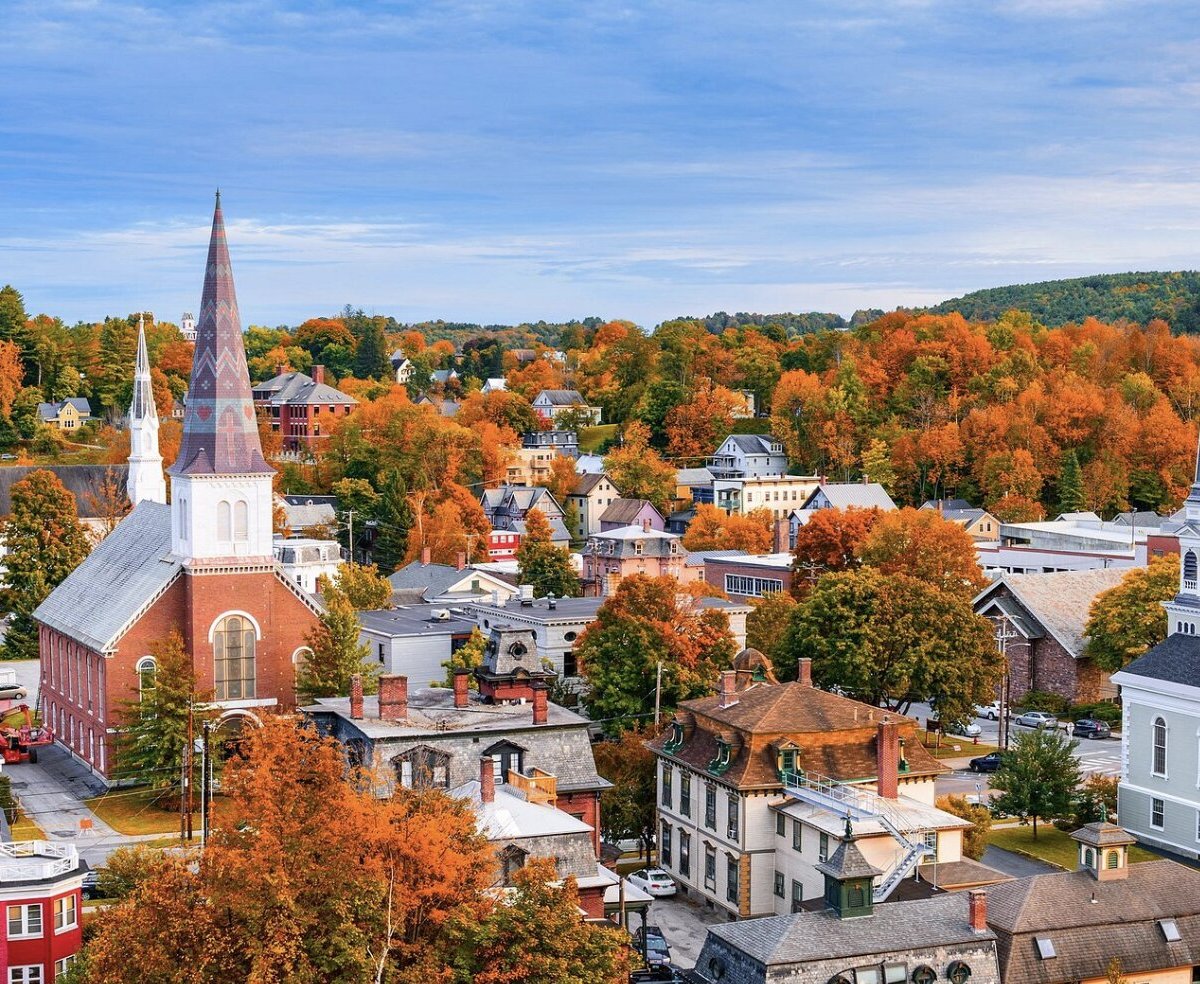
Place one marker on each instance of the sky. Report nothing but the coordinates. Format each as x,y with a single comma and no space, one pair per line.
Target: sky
499,161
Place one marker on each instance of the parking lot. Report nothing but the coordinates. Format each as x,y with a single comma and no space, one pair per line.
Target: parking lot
684,926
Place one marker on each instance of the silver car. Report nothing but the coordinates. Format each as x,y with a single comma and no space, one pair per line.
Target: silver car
1037,719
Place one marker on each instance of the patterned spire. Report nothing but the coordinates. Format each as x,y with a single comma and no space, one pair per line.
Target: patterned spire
143,392
220,431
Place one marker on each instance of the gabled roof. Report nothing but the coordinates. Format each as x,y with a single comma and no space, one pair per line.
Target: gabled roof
843,495
561,398
434,580
693,476
953,504
587,482
627,511
753,443
298,389
99,600
1060,601
1174,660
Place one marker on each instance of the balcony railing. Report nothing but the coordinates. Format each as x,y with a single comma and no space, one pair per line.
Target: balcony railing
537,787
36,860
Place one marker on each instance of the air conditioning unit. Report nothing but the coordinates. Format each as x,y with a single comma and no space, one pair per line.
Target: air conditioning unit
441,614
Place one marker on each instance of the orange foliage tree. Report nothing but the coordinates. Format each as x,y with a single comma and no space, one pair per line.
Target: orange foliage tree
925,545
712,529
829,541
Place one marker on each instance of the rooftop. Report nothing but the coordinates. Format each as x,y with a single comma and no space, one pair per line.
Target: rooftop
26,862
568,609
417,620
1175,660
775,561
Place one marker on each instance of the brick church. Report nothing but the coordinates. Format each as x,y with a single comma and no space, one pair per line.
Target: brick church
202,565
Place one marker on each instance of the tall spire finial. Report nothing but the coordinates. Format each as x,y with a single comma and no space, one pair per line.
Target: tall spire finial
145,480
218,198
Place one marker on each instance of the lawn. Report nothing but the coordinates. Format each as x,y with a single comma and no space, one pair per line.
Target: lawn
590,438
25,829
1052,845
136,811
953,746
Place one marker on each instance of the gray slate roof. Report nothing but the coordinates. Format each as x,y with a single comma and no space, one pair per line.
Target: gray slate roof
127,570
625,511
1174,660
84,482
754,443
562,398
48,411
864,495
296,388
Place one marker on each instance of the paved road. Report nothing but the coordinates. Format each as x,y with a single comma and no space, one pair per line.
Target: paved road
1016,865
684,926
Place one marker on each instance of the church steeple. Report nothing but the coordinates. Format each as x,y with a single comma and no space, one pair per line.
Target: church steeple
1183,611
145,481
220,483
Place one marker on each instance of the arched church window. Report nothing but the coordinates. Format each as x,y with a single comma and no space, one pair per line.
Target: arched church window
1189,570
241,521
224,521
147,670
1160,747
233,652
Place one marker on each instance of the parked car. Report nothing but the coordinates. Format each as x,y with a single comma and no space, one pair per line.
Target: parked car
656,949
990,711
12,691
1037,719
986,763
653,881
91,886
971,730
1091,728
661,972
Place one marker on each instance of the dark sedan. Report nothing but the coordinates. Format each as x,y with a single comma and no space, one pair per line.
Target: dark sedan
1088,728
985,763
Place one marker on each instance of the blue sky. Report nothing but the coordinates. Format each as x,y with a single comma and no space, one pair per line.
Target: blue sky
500,160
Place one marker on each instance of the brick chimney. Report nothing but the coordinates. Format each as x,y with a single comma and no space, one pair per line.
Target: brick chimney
393,697
426,556
540,702
804,672
318,374
356,710
487,779
782,535
460,560
977,910
462,686
887,758
280,368
728,688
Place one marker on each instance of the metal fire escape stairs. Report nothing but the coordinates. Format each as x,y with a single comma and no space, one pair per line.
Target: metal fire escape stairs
856,803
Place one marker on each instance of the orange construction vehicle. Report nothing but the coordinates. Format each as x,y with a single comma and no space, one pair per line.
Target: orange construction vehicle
21,744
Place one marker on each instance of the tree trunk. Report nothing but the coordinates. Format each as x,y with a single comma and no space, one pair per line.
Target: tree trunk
1035,826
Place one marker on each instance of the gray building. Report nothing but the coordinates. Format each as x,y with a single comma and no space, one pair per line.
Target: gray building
415,640
748,456
556,623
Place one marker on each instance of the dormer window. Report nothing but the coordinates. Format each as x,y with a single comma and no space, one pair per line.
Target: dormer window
722,760
674,738
786,762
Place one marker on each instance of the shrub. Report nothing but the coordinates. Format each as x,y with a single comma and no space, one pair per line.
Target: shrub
1042,700
975,836
7,803
1104,711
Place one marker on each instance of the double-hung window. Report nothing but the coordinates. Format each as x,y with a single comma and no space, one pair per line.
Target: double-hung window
24,921
797,835
734,818
664,845
731,879
685,853
1157,810
1159,765
685,794
31,974
65,915
710,806
666,784
710,867
823,848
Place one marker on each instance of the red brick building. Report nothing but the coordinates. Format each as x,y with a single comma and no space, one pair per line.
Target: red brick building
202,566
40,892
302,408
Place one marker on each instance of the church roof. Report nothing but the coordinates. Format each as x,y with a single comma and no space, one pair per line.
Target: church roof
220,430
117,581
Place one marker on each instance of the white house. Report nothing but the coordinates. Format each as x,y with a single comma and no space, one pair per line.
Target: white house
748,456
551,404
404,368
304,560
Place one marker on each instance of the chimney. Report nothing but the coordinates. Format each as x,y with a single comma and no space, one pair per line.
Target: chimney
887,758
426,556
460,560
280,368
393,697
728,688
462,686
977,909
645,524
318,374
356,710
540,708
487,780
804,671
782,535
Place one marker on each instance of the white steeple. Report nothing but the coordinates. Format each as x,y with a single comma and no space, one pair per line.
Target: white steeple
146,479
1183,611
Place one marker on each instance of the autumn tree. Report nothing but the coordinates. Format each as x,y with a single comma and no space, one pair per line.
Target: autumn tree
646,621
713,529
45,542
696,428
975,836
541,564
1038,776
892,638
1128,619
334,653
627,808
360,584
830,541
150,748
638,471
563,477
468,656
925,545
768,622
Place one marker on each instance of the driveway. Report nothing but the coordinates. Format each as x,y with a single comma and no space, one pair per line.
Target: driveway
684,926
1017,865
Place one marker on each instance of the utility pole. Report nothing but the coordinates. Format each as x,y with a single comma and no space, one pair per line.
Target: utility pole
205,781
657,694
350,533
187,776
1004,633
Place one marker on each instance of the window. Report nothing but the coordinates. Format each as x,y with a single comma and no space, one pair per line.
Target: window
752,587
1189,571
781,824
233,643
823,848
685,853
224,521
931,843
1156,814
924,975
664,845
1089,858
1160,747
959,973
422,768
866,975
506,758
734,811
25,975
685,794
1170,930
894,973
1045,947
710,806
797,835
731,879
779,884
666,784
797,895
1113,859
24,920
241,521
64,913
63,965
147,669
710,867
512,860
570,664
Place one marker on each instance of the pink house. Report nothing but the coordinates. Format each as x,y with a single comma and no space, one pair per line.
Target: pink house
613,554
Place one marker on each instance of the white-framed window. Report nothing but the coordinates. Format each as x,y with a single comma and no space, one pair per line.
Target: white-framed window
241,521
147,671
1159,764
63,965
233,645
752,587
1157,808
24,921
65,914
30,974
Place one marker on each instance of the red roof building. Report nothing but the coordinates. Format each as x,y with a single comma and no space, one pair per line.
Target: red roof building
302,408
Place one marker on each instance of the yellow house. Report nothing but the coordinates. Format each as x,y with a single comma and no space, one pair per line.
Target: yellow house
70,414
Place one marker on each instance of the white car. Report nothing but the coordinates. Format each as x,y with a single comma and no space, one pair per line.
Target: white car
990,711
971,730
653,881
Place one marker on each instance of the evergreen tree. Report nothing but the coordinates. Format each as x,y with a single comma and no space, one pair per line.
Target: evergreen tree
12,314
45,543
335,653
394,519
371,358
1071,496
151,747
542,564
1038,777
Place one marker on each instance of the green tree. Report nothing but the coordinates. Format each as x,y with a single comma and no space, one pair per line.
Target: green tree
542,564
627,809
893,638
357,501
767,625
45,543
468,656
1071,496
335,654
975,836
1038,776
12,314
536,934
1128,619
361,585
393,520
371,360
150,749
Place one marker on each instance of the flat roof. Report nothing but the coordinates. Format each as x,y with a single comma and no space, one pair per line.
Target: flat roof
416,620
775,561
